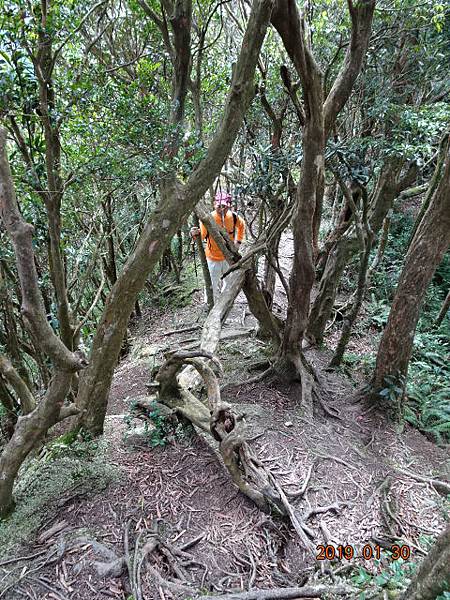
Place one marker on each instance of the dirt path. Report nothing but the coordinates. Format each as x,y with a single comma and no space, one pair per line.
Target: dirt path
181,494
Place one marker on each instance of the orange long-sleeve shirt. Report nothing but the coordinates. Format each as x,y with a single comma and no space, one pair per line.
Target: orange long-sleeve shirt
237,233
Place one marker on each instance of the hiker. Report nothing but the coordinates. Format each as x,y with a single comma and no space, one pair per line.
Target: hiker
235,225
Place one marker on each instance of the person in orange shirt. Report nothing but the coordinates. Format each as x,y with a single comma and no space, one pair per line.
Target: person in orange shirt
235,226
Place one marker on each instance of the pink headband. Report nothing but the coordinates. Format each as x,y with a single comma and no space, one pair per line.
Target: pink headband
222,198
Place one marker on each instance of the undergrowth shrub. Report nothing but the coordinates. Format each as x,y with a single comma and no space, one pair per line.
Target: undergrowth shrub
167,293
158,429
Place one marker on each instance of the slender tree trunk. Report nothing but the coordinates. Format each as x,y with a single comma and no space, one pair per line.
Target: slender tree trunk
7,400
431,186
29,431
302,275
32,427
269,325
350,319
433,575
204,265
381,246
317,117
424,255
328,286
269,270
43,66
388,187
110,261
444,310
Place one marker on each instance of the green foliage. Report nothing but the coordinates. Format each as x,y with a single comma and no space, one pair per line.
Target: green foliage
168,293
352,360
394,388
76,444
378,312
428,405
390,575
161,431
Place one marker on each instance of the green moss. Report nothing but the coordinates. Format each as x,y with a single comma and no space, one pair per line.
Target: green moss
82,465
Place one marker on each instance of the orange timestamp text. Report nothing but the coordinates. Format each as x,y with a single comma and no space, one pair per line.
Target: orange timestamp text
368,552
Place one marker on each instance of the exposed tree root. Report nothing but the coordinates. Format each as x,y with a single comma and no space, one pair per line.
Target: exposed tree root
317,591
442,487
224,425
143,549
184,372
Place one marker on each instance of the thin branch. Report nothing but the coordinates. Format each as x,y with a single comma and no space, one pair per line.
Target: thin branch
26,398
79,26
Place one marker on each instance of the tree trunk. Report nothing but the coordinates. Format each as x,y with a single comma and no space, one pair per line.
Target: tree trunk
29,431
388,187
431,186
204,264
444,310
269,270
317,118
302,275
269,325
32,427
9,421
424,255
322,306
176,202
433,575
350,319
110,261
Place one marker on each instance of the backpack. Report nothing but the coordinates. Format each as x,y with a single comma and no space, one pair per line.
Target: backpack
235,218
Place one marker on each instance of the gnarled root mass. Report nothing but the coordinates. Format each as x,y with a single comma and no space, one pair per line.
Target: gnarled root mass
223,423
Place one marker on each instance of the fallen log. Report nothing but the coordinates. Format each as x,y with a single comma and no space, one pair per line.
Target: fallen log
189,378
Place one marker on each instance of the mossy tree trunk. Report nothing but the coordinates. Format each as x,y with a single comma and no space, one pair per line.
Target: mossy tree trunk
30,427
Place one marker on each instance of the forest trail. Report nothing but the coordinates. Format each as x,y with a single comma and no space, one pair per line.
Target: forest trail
351,466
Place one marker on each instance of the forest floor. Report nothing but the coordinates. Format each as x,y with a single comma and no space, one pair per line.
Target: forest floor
177,504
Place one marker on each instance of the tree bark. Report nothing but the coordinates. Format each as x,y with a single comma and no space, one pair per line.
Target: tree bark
204,264
24,395
32,304
302,274
432,185
424,255
317,118
29,431
43,64
433,575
